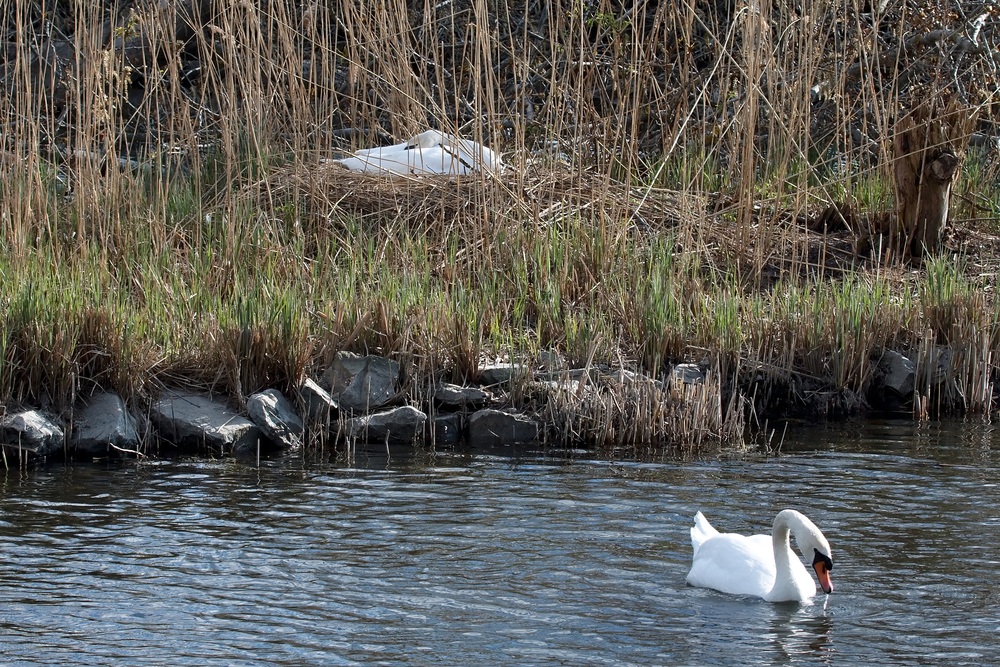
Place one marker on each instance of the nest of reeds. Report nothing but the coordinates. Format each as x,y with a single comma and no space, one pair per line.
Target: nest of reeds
536,196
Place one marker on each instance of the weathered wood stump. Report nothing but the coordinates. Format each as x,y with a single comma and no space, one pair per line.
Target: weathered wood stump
928,149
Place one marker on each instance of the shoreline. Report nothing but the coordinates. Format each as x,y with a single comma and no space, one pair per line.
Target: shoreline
684,189
374,400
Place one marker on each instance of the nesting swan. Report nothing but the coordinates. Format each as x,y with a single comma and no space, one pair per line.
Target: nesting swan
761,565
428,153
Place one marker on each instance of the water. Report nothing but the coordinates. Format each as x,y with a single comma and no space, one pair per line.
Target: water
480,560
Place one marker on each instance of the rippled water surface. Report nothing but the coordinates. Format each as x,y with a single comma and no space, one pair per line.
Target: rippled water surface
482,560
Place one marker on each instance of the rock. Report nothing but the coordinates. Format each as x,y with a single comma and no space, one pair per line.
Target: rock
399,425
105,426
275,416
628,378
31,432
455,396
501,373
591,374
893,385
195,422
551,360
898,374
360,384
496,427
561,386
319,404
687,374
446,430
939,364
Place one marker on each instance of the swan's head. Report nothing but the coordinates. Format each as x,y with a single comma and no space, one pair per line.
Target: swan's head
429,139
823,563
812,543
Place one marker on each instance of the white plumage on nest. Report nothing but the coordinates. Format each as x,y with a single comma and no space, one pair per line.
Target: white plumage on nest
428,153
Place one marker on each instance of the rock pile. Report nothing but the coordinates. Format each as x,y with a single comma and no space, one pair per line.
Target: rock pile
358,399
361,399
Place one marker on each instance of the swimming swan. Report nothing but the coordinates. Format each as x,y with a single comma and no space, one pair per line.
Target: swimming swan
430,152
761,565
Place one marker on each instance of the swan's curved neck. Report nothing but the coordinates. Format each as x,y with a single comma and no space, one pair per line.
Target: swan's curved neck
782,551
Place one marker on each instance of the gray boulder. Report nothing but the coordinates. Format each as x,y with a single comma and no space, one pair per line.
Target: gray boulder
31,432
551,360
489,428
898,374
446,430
105,426
502,373
687,374
940,363
562,386
360,384
275,416
458,397
399,425
319,405
591,374
196,422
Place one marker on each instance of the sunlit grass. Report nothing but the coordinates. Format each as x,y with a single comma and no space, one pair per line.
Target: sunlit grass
655,210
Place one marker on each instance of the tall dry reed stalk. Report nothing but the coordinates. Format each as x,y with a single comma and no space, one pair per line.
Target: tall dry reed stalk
163,168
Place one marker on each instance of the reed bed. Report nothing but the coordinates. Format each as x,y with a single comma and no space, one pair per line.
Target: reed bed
169,214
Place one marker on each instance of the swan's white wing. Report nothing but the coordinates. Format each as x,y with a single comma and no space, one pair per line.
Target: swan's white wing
440,159
378,161
366,152
478,157
701,531
430,152
734,564
394,160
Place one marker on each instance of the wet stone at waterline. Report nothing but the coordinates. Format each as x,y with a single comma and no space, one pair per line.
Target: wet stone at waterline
195,423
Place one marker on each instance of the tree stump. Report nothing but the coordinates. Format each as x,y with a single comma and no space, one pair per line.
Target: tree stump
928,151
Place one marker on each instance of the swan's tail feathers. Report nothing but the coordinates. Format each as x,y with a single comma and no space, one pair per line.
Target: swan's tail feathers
701,531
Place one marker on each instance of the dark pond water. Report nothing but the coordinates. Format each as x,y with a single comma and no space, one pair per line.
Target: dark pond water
484,560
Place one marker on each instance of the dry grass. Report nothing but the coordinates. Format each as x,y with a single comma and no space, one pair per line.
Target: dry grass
167,214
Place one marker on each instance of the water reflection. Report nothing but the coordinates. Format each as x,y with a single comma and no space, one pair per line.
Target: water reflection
802,632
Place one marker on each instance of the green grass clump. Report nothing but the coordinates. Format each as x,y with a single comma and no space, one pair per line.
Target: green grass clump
167,213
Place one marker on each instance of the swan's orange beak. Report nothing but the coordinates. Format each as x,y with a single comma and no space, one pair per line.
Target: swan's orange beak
823,574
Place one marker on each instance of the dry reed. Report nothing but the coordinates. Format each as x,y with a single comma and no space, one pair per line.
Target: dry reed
167,214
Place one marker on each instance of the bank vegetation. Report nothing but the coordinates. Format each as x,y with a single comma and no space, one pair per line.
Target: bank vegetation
701,182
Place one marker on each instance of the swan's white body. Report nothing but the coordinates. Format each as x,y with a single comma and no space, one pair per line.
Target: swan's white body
761,565
430,152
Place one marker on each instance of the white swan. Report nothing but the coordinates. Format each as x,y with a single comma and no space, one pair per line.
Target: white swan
761,565
430,152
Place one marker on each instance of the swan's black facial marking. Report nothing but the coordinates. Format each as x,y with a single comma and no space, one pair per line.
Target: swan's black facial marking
824,559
